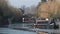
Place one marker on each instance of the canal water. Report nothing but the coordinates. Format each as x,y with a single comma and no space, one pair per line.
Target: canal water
12,31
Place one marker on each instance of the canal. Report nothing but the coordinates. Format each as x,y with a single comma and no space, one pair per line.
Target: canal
13,31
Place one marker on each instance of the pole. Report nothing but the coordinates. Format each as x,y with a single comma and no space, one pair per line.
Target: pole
9,22
23,20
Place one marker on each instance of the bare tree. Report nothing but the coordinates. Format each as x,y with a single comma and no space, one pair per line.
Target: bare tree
7,11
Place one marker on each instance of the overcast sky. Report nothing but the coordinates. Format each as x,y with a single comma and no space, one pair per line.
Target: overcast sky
19,3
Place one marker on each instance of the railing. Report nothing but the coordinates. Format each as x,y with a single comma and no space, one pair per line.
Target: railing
26,26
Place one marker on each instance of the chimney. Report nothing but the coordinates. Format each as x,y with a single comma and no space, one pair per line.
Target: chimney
43,0
51,0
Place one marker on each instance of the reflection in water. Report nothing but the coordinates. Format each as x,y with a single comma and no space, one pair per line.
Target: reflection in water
3,33
12,31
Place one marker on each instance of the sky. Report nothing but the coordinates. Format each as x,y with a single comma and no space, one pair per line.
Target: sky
19,3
